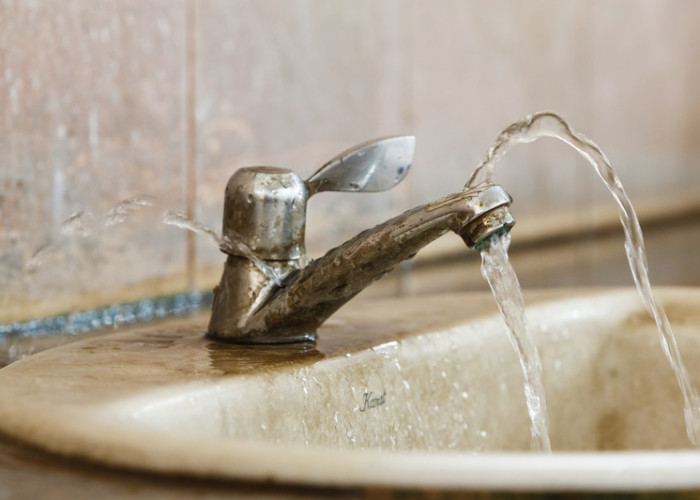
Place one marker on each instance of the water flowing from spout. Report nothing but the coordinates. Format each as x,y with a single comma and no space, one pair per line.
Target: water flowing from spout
547,124
504,284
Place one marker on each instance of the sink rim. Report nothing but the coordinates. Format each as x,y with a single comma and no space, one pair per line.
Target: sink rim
505,471
592,471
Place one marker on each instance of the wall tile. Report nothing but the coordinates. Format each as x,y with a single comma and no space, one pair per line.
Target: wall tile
93,110
621,73
91,106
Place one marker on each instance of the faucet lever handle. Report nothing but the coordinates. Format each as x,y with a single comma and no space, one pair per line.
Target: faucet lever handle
375,165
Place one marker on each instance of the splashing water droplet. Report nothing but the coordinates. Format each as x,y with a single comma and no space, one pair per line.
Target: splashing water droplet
38,258
84,224
119,213
80,223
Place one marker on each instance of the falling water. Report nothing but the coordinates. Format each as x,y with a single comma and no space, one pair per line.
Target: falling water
547,124
501,277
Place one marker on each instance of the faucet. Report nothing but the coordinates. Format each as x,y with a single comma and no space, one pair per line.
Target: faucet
268,294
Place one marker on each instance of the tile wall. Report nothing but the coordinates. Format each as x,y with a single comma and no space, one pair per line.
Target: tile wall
162,100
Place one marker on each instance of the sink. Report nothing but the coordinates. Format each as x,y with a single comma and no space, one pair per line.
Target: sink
410,392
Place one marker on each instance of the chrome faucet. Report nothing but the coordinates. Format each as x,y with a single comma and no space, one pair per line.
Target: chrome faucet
268,294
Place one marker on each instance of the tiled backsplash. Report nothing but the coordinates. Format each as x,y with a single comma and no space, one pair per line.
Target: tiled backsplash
101,101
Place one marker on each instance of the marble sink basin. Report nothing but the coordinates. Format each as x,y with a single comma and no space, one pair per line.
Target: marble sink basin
416,392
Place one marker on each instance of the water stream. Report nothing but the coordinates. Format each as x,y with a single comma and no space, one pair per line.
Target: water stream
504,284
227,245
84,224
530,129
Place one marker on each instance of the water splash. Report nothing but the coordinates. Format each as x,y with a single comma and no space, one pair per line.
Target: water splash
501,277
179,219
548,124
84,224
224,243
119,213
80,223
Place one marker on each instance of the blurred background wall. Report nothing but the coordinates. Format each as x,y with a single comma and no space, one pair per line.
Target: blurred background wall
160,101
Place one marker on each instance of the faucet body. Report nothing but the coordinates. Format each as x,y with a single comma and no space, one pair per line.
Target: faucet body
268,295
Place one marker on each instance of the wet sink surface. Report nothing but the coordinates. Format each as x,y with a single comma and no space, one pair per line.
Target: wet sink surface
404,392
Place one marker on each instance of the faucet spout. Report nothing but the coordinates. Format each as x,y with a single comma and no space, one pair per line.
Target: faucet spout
268,206
310,295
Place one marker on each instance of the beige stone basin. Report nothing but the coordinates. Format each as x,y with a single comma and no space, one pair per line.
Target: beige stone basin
419,392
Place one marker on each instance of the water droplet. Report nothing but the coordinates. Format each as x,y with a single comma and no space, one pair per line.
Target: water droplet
119,213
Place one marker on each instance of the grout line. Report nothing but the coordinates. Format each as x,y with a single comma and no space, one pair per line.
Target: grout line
190,139
110,316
